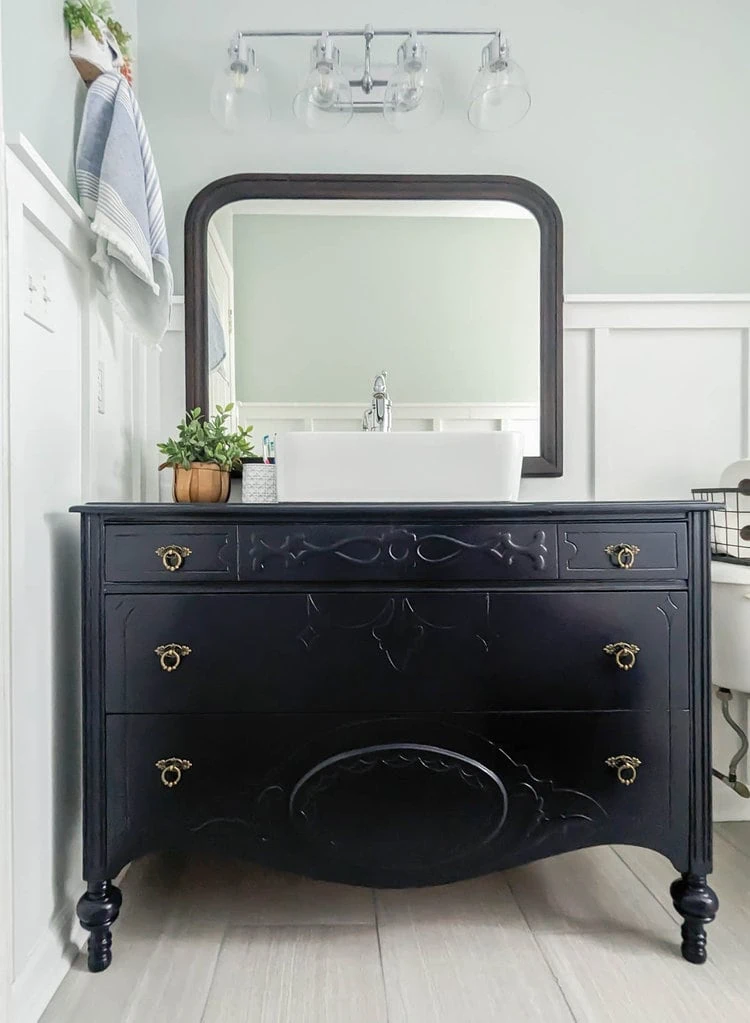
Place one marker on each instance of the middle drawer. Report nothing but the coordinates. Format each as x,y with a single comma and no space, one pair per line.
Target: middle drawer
394,651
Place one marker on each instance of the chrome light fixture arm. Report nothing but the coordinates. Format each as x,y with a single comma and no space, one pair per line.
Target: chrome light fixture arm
367,81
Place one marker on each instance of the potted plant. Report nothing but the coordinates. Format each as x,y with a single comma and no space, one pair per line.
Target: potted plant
204,454
98,42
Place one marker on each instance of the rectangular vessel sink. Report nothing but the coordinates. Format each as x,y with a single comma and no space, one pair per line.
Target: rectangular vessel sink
398,467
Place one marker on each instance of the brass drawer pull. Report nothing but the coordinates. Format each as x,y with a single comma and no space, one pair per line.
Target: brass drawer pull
624,654
170,655
627,768
173,556
622,554
171,770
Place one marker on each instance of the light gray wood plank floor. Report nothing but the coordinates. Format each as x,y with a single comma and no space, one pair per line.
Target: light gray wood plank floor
589,936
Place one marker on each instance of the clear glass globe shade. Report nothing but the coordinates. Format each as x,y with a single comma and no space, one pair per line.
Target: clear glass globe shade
498,99
239,99
324,103
413,99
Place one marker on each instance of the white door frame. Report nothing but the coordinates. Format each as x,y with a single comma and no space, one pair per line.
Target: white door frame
227,267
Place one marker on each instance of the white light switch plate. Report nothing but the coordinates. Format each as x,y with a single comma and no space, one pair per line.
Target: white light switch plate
39,305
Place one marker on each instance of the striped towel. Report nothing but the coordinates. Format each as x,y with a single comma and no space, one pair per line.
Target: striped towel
119,190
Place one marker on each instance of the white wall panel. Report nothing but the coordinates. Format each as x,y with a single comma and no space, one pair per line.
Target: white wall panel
67,443
669,407
45,381
113,436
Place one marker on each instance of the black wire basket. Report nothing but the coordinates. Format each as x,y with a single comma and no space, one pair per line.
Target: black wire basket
730,526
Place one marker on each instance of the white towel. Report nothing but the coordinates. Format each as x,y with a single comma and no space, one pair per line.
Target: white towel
119,190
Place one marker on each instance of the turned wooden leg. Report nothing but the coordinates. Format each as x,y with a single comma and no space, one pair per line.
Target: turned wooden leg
97,910
697,904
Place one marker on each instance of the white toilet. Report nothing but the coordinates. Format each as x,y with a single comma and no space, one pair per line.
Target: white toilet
730,644
730,616
730,625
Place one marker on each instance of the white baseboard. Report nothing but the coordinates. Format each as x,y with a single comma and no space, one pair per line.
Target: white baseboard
45,969
48,964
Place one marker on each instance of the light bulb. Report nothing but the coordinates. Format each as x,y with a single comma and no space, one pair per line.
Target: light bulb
238,96
324,102
413,96
499,97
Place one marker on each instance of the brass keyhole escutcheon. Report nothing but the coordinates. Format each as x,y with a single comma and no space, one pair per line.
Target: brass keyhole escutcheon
627,768
622,554
170,655
173,556
171,770
623,653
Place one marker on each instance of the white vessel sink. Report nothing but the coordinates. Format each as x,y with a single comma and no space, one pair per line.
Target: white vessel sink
398,467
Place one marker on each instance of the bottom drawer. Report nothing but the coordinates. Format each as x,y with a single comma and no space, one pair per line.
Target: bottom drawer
388,801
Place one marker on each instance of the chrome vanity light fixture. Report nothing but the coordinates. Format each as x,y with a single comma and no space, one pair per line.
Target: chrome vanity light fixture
499,97
408,94
239,97
324,102
413,96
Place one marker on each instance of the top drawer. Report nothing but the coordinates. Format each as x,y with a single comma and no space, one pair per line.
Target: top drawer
138,554
611,549
337,552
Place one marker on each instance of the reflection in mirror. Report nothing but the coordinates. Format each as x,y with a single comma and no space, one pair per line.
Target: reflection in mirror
308,300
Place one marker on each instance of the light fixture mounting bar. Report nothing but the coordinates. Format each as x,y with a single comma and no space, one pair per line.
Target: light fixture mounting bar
353,32
368,91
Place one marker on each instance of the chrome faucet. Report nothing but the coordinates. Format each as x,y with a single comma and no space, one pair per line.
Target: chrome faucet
377,418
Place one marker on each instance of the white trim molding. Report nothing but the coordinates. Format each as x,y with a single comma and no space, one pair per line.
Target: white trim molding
636,312
30,159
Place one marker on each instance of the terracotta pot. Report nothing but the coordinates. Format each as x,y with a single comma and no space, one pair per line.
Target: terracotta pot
204,482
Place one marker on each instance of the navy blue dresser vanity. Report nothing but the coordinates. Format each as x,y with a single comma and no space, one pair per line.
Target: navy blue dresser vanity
395,696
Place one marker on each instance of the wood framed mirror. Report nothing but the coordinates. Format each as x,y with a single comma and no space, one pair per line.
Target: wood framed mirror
299,289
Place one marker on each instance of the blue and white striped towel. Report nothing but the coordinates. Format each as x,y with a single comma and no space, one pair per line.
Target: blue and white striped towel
119,190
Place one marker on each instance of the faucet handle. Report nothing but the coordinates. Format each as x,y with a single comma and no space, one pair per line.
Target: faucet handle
380,386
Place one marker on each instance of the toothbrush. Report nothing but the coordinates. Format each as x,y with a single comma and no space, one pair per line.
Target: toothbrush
266,446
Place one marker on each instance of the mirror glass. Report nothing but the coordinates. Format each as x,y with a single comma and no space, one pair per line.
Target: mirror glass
309,300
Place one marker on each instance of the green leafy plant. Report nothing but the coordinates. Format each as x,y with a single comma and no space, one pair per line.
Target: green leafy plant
208,440
82,14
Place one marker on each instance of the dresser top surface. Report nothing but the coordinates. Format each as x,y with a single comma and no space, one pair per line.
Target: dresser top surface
400,512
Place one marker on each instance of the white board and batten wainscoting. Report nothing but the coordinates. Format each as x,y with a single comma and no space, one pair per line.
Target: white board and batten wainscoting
657,400
81,402
275,417
657,396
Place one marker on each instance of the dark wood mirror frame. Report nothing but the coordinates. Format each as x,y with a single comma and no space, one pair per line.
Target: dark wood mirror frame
355,186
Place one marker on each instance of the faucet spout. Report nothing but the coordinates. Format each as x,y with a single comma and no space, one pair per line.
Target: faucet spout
378,417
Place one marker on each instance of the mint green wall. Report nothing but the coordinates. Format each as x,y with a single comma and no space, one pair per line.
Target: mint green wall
449,306
638,126
42,92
